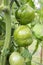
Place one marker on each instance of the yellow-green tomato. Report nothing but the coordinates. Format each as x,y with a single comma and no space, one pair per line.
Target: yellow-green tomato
16,59
23,36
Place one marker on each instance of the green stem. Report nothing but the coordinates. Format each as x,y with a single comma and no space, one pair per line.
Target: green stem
5,2
8,33
16,1
18,4
7,38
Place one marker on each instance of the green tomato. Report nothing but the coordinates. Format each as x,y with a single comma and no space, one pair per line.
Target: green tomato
23,36
38,31
16,59
25,14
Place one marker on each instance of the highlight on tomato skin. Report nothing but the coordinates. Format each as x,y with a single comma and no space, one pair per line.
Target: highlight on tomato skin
23,36
16,59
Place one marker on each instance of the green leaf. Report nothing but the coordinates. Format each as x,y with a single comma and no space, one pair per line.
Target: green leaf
36,47
31,3
27,56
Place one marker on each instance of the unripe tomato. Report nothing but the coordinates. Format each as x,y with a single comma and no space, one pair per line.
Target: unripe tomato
16,59
25,14
23,36
38,31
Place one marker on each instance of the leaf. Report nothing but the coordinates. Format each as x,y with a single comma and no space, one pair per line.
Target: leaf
31,3
36,47
27,56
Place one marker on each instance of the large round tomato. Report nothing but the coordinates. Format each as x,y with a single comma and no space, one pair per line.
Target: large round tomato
38,31
25,14
16,59
23,36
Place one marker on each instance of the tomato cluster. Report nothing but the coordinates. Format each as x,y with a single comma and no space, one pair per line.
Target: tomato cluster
22,34
18,29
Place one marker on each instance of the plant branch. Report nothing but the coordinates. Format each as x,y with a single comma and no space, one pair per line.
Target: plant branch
7,18
7,39
17,3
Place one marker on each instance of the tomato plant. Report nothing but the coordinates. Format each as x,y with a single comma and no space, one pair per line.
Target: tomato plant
21,22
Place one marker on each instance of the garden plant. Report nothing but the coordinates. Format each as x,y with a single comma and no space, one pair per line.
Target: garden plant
21,21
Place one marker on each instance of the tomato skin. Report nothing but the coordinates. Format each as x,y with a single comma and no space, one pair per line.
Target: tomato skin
38,31
23,36
16,59
25,14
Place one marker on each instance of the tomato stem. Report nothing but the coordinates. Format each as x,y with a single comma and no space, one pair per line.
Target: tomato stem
5,49
7,39
17,3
